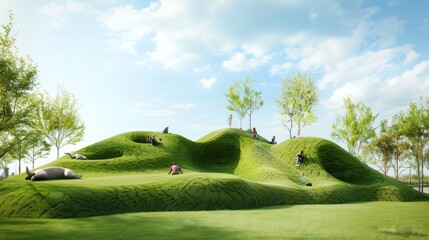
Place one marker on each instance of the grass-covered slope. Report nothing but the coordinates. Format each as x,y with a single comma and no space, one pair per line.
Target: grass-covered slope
226,169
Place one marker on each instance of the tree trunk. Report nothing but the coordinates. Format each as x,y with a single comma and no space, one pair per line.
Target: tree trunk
418,173
423,177
250,122
58,152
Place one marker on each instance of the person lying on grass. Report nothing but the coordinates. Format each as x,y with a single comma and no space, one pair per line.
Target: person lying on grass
175,169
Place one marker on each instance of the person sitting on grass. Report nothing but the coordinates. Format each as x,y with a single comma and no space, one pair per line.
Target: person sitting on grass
175,169
299,158
302,180
273,140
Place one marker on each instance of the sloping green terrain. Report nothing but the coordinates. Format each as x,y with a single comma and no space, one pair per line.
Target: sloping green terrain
226,169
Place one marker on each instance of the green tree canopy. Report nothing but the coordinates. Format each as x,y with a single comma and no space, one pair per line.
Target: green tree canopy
356,127
243,99
18,77
298,96
381,149
59,121
414,126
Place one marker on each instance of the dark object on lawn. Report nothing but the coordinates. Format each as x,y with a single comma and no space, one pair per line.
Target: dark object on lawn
309,184
154,141
165,130
77,156
51,173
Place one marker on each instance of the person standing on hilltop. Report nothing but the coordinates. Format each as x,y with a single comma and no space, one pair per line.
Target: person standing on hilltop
230,120
254,133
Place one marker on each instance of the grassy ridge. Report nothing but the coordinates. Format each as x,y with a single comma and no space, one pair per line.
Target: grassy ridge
223,170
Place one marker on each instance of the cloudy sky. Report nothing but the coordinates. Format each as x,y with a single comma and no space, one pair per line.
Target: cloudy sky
145,65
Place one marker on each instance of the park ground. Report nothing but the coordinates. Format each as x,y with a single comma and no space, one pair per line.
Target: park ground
365,220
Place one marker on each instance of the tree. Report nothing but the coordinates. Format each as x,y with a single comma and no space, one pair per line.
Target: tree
243,99
7,141
36,147
356,127
58,120
22,133
5,160
380,150
17,78
400,147
414,126
298,96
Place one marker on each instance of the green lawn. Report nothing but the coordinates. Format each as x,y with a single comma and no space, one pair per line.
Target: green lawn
233,187
369,220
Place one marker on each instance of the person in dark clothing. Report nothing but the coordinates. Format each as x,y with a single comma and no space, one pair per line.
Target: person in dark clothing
299,158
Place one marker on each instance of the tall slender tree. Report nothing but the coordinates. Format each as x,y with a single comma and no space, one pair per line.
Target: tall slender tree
414,126
355,128
59,121
243,99
400,154
381,149
298,97
18,77
36,147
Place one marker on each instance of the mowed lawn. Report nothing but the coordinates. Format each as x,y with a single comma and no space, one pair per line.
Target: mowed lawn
367,220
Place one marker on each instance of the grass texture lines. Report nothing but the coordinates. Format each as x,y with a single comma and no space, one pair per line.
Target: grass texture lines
225,170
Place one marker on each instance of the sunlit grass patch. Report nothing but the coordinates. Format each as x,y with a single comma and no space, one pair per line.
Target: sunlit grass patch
405,231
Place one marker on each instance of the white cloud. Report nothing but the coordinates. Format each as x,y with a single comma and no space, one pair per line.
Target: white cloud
56,12
388,96
364,65
207,83
240,62
170,54
384,30
59,13
181,33
359,90
408,86
281,69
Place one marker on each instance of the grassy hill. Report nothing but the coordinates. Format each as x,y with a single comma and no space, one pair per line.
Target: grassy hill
226,169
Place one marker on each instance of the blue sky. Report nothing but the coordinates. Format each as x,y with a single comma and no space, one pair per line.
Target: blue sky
144,65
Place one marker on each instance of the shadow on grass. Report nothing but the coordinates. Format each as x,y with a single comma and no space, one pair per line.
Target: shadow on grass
118,227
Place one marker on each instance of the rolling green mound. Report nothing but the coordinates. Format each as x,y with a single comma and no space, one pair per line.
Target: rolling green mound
226,169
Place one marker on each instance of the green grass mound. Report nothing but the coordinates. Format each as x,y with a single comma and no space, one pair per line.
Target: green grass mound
226,169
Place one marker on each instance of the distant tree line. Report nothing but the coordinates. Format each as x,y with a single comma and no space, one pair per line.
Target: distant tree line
31,122
405,141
